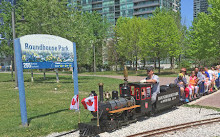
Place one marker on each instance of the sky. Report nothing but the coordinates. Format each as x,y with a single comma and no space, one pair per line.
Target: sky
187,12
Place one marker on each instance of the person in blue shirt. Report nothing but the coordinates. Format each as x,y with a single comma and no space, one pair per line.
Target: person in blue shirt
206,72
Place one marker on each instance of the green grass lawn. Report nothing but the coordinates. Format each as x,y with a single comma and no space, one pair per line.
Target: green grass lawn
47,109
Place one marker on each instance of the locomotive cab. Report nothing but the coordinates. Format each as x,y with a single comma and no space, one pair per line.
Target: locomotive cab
141,92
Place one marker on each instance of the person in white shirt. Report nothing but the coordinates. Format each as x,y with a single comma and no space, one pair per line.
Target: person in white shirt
154,80
212,78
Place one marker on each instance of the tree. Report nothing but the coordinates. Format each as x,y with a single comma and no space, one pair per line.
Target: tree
160,38
98,27
55,17
204,36
6,45
215,17
127,32
180,37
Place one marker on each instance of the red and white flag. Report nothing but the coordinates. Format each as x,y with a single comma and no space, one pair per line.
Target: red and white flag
90,103
75,103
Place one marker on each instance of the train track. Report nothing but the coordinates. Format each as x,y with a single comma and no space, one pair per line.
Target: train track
175,127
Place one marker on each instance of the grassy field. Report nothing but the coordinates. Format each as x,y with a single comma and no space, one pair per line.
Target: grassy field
47,109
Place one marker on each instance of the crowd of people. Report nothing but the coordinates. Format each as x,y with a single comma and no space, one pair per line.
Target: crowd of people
200,81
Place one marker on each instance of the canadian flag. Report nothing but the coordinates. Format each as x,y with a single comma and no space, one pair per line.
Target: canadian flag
75,103
90,103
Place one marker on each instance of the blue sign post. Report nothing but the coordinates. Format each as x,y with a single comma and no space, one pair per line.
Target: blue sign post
20,82
40,51
75,72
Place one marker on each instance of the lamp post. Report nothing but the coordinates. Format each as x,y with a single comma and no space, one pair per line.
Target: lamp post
13,31
94,58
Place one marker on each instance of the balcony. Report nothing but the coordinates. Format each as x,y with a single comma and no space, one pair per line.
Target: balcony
96,1
96,8
142,12
117,9
146,5
135,1
117,3
117,16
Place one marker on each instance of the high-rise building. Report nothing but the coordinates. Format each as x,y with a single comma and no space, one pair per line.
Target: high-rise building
113,9
200,6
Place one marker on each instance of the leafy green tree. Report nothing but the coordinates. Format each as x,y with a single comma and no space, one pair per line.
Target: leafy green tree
55,17
215,17
127,31
43,17
204,36
6,45
98,27
184,42
181,29
160,38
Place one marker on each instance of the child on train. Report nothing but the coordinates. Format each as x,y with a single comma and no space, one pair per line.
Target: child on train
207,83
193,85
181,82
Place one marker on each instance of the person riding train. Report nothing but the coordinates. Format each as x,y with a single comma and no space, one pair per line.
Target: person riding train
181,82
154,80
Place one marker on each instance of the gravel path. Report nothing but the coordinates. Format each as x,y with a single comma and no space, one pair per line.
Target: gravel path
174,117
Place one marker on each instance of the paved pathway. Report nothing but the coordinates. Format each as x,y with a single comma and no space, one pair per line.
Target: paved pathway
212,100
163,80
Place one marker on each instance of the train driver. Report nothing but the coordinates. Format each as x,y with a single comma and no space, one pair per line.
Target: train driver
154,80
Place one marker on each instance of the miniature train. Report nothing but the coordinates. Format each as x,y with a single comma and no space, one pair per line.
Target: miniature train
134,102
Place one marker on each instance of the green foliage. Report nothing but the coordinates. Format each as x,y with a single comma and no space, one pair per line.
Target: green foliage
204,35
161,37
55,17
157,37
185,64
42,17
128,32
6,45
98,32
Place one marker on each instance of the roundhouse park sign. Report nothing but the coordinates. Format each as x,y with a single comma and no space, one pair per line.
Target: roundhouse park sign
41,51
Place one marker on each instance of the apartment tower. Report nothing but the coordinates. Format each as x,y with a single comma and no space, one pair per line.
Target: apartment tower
200,6
113,9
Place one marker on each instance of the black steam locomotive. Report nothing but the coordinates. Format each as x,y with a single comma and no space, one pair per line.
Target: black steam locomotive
134,102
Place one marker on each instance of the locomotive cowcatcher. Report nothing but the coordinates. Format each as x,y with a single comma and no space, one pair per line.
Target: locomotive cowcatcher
134,102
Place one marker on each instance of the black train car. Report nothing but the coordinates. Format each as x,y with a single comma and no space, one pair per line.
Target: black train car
134,101
168,97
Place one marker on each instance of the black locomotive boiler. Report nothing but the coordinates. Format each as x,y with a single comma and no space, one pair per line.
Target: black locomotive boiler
134,102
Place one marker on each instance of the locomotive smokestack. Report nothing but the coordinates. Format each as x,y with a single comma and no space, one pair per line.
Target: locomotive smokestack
101,92
125,74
